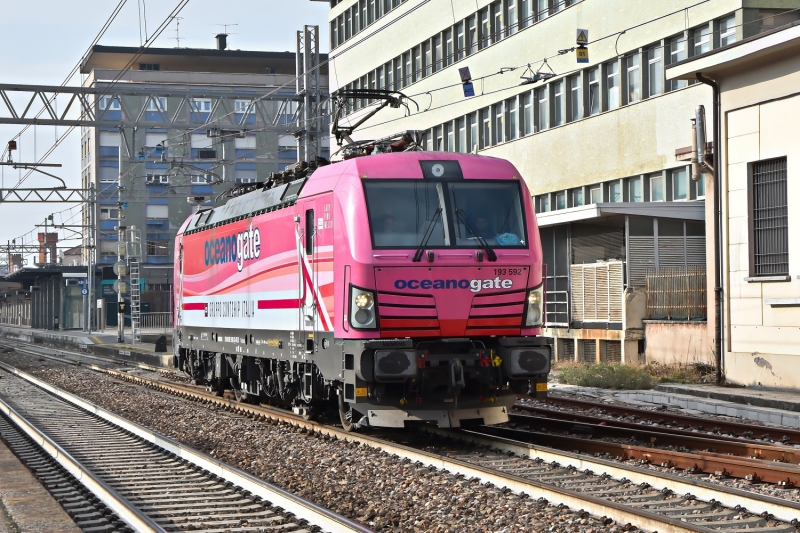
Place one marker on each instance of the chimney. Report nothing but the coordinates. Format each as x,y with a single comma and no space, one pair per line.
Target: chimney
222,41
47,243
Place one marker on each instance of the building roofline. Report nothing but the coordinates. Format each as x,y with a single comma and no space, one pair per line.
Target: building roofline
693,210
727,56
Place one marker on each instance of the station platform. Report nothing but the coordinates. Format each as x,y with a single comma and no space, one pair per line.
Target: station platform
26,504
101,343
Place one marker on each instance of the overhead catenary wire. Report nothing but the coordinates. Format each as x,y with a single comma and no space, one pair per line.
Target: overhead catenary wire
106,90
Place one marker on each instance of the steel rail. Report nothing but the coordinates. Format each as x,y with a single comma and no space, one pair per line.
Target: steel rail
653,436
110,497
291,503
734,428
621,513
787,475
544,413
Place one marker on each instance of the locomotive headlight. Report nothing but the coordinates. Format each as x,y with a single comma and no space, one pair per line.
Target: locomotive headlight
364,300
533,311
362,308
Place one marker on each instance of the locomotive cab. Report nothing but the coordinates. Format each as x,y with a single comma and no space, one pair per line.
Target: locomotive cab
451,296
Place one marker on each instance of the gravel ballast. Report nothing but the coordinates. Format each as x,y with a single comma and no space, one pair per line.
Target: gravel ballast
381,491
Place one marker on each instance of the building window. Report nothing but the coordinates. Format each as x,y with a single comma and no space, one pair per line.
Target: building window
157,179
109,213
242,181
416,53
427,57
633,64
202,179
543,204
461,139
511,121
460,41
541,9
485,29
438,140
577,197
499,123
486,128
157,248
158,211
524,13
612,84
449,138
436,58
575,98
657,188
149,66
473,133
635,190
655,71
561,200
769,215
558,103
527,113
594,91
109,103
727,31
497,22
511,16
472,35
615,191
680,184
677,52
200,105
542,109
448,48
157,103
700,187
595,195
702,40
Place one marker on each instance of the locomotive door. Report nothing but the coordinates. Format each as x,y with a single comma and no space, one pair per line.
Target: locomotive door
309,312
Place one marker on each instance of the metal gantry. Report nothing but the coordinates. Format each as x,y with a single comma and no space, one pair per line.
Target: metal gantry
309,133
77,106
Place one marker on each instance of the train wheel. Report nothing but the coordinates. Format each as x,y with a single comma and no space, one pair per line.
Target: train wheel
346,416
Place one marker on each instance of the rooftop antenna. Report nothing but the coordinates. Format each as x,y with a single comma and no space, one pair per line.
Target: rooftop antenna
178,30
225,28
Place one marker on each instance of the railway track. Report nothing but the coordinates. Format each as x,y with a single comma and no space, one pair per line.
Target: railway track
670,420
149,481
605,489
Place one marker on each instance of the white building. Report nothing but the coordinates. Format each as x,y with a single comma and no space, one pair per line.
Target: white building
758,81
602,145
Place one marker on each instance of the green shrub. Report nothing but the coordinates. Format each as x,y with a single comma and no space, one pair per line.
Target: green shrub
606,376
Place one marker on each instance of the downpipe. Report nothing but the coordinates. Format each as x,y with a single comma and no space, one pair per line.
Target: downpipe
717,226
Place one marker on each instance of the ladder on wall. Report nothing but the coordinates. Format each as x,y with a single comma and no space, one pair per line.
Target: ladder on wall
135,304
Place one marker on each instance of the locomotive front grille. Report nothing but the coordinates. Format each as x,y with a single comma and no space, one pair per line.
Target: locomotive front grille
402,315
496,314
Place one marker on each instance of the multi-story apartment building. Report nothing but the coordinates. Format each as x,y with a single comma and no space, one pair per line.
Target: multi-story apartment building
603,145
193,127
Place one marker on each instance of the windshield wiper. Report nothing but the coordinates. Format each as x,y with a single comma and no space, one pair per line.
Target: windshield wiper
490,255
427,235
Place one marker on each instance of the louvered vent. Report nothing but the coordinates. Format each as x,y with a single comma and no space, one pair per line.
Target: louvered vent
597,292
589,351
567,351
613,351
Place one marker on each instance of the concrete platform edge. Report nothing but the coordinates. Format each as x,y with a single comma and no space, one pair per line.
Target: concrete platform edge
734,397
66,342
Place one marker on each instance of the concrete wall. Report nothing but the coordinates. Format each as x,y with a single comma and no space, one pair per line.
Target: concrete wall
677,342
760,108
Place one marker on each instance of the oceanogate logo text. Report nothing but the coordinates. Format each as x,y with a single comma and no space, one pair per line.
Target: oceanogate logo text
475,285
241,247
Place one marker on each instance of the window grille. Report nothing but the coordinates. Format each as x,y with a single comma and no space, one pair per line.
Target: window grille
770,231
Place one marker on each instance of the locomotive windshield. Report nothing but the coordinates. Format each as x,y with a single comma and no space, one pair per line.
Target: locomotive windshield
464,214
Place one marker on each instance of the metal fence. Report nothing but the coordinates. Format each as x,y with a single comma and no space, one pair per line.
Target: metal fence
677,293
156,323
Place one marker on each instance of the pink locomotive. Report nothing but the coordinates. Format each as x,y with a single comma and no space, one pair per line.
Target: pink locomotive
397,287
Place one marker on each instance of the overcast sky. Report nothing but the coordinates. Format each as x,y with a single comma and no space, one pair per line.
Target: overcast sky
42,40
